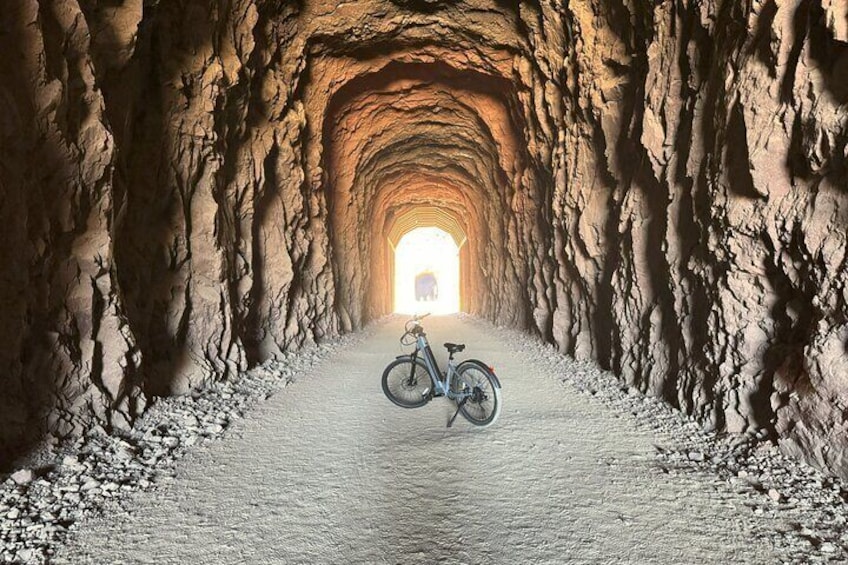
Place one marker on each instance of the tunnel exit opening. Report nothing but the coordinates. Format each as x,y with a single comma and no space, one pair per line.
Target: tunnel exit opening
426,272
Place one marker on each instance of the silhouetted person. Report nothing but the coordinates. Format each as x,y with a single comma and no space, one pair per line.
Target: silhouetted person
426,286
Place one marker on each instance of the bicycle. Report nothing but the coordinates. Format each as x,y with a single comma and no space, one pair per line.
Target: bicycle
411,381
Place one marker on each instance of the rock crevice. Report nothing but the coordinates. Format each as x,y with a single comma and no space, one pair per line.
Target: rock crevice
190,188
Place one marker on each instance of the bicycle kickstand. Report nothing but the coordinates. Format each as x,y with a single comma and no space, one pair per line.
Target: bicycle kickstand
458,408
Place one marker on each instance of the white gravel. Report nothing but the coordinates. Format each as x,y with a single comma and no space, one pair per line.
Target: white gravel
577,469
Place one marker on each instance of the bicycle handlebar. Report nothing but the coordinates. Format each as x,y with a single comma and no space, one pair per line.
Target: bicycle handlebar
413,328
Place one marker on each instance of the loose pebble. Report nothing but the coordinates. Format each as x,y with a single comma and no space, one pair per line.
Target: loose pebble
748,465
828,547
22,477
99,469
36,516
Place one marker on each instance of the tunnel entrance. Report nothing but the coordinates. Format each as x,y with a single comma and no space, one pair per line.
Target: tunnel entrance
410,144
426,273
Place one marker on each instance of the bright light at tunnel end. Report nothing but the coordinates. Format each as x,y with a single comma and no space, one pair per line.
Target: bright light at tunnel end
426,273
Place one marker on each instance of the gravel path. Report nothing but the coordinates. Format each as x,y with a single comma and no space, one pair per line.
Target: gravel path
576,470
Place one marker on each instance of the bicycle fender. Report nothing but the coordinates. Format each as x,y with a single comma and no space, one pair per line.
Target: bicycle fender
404,357
497,381
486,367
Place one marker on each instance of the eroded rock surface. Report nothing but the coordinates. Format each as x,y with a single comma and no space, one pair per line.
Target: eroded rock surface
67,354
192,187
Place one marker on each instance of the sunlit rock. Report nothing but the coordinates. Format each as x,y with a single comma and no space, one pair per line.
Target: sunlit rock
192,187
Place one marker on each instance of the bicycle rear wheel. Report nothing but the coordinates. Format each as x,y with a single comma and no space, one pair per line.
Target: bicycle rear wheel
483,405
407,384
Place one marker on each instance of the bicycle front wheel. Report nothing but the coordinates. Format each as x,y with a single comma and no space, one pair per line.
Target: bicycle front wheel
483,404
407,384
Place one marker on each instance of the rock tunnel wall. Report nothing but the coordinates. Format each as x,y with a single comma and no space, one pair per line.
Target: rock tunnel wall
192,187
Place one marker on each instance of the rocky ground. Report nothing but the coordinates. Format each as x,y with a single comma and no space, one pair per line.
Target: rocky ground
42,503
771,484
791,506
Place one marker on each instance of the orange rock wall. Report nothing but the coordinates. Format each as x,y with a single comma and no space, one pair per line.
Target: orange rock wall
192,187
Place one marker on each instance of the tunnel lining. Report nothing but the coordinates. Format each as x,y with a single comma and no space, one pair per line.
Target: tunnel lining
495,187
426,216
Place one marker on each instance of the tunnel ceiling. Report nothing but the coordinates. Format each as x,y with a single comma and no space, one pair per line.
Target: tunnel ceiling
424,216
193,187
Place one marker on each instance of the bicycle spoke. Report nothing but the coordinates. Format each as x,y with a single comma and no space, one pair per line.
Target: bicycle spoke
482,405
406,383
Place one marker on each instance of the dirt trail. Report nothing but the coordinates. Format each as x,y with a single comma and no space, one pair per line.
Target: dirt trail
330,471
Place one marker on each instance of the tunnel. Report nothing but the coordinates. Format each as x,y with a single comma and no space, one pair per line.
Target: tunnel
193,188
417,135
426,242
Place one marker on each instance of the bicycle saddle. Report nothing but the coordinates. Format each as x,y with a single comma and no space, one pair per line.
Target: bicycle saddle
454,347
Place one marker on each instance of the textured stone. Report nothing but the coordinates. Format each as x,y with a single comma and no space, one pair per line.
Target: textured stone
67,353
22,477
191,187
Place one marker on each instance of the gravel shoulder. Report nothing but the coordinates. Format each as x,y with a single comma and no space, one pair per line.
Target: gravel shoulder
306,461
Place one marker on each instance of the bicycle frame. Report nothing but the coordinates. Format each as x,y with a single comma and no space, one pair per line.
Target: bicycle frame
440,384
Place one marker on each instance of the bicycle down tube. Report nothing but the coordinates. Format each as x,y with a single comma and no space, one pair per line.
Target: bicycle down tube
432,366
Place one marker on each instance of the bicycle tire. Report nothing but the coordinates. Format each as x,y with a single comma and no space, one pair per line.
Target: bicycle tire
406,386
484,406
